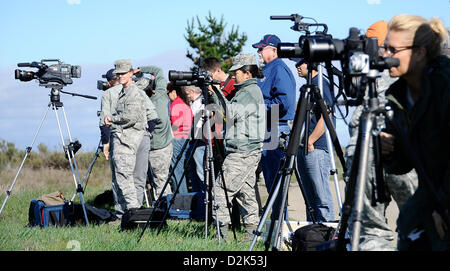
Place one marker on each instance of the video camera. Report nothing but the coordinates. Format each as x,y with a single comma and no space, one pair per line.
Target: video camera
198,77
59,73
357,54
102,85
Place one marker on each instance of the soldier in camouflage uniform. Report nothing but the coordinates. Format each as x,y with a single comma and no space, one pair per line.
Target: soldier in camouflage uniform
244,137
161,146
375,233
125,111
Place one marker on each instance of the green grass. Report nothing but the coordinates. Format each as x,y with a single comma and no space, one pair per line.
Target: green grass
15,235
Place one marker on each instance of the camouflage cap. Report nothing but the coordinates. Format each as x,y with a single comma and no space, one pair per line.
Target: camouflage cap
242,60
122,66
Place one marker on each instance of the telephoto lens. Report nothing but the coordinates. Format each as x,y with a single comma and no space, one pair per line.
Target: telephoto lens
176,75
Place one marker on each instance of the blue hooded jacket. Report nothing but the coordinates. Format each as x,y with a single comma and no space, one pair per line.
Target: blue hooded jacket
278,88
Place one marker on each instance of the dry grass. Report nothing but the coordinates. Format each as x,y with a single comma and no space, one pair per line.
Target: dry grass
52,179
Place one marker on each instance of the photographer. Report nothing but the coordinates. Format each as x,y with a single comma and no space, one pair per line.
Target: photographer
420,100
124,111
243,145
194,96
278,89
213,65
161,145
181,120
315,166
375,232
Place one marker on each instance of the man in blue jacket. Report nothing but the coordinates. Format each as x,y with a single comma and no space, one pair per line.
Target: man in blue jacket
278,89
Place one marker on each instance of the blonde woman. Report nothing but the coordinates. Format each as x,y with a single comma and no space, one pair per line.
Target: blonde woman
420,100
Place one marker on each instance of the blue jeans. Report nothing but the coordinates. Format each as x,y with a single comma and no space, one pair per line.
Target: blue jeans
196,170
178,172
270,162
314,171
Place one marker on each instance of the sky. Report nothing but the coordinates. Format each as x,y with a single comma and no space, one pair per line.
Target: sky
95,33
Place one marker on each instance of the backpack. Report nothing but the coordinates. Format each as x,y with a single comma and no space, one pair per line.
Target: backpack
307,238
137,217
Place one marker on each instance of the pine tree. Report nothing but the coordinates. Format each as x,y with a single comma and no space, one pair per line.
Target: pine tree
210,40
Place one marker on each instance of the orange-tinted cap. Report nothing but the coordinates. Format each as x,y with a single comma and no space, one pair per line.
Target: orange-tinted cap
378,30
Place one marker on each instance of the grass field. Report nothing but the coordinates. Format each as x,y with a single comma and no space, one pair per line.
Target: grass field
15,235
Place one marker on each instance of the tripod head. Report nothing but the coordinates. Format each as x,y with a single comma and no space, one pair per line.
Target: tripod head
55,91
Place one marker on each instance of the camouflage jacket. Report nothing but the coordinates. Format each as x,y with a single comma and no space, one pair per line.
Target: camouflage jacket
129,121
245,118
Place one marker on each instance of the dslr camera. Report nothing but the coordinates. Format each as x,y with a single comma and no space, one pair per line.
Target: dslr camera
47,73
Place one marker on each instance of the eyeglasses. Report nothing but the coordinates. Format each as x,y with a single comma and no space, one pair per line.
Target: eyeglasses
262,48
391,50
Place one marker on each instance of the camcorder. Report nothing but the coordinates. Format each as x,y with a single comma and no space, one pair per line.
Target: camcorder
102,85
357,53
59,73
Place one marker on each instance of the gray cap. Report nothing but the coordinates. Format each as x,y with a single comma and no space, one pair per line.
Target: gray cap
242,60
122,66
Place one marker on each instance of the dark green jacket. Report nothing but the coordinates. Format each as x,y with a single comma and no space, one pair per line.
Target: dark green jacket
245,118
427,126
162,135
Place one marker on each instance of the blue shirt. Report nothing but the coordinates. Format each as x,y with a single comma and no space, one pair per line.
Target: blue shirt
321,143
278,88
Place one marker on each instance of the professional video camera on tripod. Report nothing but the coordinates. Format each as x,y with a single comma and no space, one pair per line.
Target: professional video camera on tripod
361,64
54,76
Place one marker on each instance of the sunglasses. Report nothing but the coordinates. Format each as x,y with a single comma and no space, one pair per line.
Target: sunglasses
391,50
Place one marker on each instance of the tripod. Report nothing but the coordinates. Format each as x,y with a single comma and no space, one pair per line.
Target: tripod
209,175
288,166
367,134
55,104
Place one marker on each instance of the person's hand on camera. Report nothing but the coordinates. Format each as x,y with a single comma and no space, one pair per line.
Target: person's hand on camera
108,121
210,90
387,143
106,150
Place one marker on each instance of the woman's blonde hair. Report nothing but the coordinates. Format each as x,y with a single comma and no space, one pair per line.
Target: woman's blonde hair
426,34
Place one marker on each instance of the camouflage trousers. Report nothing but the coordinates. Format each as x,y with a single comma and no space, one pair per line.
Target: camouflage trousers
376,235
123,161
141,168
240,180
160,161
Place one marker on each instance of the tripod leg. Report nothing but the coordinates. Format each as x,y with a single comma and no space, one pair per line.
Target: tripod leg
273,195
283,205
159,200
71,155
361,179
333,170
88,171
309,209
70,139
28,151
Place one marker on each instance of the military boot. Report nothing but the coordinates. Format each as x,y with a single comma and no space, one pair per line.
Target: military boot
223,231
